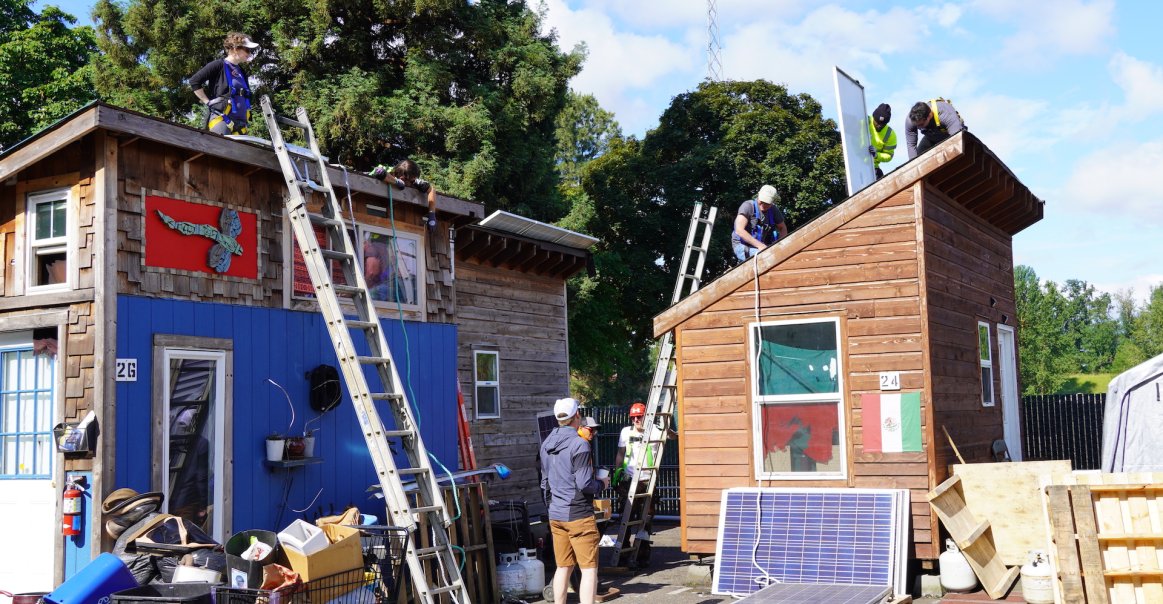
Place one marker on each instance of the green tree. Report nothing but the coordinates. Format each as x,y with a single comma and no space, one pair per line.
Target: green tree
44,73
584,131
1044,347
717,144
471,91
1090,325
1147,333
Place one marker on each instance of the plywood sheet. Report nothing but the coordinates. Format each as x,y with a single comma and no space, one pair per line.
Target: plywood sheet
1008,496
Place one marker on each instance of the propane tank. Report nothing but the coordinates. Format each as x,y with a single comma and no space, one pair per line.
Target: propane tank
956,574
1037,579
534,570
71,510
511,577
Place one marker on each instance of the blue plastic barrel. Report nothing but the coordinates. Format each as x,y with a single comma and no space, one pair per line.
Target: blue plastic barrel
94,583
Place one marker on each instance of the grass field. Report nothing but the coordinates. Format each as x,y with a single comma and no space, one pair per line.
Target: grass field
1086,383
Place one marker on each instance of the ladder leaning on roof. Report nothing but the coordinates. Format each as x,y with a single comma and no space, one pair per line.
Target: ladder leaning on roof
430,503
660,405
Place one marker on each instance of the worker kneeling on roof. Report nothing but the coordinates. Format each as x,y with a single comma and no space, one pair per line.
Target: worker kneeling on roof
758,224
937,120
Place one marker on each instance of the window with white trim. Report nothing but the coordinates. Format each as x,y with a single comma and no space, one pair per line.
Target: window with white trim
796,388
26,413
486,375
393,265
48,240
985,356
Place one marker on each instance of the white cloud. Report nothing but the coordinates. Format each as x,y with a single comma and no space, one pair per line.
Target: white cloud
1119,180
1046,28
1142,85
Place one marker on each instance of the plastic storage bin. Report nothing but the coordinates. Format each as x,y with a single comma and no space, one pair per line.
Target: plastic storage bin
244,573
105,575
162,593
304,537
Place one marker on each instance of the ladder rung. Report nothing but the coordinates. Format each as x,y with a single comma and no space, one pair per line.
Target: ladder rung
286,121
334,255
428,551
362,324
634,523
398,433
323,220
347,290
428,508
373,360
387,396
413,470
695,248
445,589
314,186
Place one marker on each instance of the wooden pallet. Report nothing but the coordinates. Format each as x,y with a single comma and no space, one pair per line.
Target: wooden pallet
1108,540
973,537
472,532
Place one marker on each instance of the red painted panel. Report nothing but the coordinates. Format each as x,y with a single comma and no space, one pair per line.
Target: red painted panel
166,247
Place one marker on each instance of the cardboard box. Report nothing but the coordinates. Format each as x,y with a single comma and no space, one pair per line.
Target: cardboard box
344,554
603,509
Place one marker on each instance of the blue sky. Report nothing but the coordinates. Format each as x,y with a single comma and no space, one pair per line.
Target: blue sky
1068,93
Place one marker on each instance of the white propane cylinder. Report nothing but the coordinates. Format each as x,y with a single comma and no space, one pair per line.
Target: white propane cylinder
534,570
1037,579
956,574
511,577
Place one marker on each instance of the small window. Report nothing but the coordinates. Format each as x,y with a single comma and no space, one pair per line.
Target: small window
48,239
486,377
392,267
985,354
26,414
796,393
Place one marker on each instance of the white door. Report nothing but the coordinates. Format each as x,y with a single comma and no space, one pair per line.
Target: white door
1011,418
27,492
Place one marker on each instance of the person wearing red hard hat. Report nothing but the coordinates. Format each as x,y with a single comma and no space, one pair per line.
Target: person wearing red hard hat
631,442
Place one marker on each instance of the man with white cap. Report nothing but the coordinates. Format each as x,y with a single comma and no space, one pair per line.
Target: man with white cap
569,485
758,224
228,111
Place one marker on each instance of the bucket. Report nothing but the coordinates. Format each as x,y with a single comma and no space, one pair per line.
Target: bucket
102,577
247,574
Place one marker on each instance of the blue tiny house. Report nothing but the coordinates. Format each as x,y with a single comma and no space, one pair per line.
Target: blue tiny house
150,281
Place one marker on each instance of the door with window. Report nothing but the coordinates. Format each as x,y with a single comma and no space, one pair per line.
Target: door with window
796,386
1011,414
28,495
194,408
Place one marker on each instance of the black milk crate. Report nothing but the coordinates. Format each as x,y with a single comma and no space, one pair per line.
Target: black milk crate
241,595
162,593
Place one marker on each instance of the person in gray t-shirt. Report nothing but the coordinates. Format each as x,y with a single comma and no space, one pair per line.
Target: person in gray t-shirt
937,120
758,224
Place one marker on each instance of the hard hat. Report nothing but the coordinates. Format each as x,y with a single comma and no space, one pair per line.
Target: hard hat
637,410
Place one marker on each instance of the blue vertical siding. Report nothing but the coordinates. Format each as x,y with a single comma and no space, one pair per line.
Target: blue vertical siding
282,345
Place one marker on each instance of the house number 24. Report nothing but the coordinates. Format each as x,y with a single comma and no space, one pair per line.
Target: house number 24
890,380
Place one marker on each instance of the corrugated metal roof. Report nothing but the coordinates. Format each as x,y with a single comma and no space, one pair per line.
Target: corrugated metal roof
532,229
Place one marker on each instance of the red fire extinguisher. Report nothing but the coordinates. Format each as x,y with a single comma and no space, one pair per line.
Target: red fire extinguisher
71,505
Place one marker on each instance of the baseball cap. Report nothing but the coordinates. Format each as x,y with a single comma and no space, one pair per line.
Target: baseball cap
248,43
565,408
767,194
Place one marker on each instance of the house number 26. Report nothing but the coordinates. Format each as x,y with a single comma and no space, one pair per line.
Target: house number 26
126,370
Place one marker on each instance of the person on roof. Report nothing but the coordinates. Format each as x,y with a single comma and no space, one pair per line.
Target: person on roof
937,120
883,137
407,174
228,111
758,224
569,486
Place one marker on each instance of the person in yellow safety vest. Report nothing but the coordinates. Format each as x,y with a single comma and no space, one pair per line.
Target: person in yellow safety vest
882,136
937,120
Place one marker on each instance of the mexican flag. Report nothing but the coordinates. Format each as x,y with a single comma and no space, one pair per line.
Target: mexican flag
892,422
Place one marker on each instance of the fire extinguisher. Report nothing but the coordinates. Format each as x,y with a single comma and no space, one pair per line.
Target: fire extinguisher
71,505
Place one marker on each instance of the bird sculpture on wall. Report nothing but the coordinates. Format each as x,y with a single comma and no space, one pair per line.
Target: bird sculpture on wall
225,244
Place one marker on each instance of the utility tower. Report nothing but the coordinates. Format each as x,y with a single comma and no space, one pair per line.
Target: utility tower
714,62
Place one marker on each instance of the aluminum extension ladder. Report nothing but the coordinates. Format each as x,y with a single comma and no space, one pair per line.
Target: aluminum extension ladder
301,181
660,404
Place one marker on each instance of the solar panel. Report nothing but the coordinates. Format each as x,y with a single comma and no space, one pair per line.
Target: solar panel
810,536
787,593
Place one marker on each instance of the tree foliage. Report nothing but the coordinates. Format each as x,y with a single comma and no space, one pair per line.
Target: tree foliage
471,91
717,144
44,73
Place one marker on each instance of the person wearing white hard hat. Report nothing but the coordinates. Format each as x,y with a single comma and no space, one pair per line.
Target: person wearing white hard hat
228,111
569,485
758,224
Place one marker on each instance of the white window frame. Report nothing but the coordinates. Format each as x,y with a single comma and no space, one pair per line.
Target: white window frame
418,305
479,383
986,362
42,448
759,401
53,245
224,408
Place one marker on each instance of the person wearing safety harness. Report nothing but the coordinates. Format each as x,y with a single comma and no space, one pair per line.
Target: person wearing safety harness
883,137
228,112
758,224
407,174
631,442
937,120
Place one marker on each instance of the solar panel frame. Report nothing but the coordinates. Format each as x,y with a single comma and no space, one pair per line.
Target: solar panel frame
789,593
810,535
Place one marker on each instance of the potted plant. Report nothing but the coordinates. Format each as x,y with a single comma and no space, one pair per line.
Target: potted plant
275,445
309,443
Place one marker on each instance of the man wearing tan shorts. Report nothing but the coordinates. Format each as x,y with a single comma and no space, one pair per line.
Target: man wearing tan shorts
567,479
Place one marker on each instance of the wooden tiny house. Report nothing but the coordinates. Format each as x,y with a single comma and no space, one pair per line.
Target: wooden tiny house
901,297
